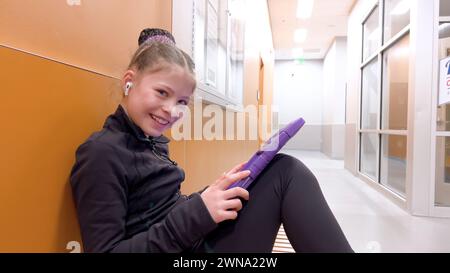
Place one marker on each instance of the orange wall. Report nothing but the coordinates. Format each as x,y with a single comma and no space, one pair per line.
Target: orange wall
99,35
50,107
48,110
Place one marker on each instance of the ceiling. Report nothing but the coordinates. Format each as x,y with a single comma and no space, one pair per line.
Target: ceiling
328,20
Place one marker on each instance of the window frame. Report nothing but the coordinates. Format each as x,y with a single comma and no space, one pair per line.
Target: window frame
379,53
436,210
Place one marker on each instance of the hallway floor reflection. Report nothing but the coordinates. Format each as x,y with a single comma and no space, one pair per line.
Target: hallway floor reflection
371,222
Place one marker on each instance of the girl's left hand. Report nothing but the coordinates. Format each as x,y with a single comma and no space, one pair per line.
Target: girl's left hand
222,203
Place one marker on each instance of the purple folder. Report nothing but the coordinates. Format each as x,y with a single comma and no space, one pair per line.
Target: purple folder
261,158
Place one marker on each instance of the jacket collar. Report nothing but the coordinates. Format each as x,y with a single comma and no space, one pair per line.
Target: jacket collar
120,121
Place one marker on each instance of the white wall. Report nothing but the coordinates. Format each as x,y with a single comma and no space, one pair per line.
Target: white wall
328,84
334,80
298,92
315,90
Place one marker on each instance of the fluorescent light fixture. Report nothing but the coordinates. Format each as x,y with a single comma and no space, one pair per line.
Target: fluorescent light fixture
300,35
304,8
401,8
297,52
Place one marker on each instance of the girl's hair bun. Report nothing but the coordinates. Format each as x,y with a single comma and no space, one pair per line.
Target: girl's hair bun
156,35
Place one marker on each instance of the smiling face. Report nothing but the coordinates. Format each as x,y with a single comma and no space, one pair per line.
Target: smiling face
156,99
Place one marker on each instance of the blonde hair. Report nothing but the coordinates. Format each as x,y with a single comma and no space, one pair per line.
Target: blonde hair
154,56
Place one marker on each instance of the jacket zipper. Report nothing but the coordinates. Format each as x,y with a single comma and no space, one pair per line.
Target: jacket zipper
157,154
162,157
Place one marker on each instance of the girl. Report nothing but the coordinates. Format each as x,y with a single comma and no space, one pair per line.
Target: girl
127,189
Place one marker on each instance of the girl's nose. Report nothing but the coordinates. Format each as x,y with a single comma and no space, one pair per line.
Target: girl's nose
172,109
168,106
177,112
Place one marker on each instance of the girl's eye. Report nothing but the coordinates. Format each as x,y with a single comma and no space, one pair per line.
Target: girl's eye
183,102
162,93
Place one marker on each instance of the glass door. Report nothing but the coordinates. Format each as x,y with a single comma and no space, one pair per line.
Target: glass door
442,170
440,194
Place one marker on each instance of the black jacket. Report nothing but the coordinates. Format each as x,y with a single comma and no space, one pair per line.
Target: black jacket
127,193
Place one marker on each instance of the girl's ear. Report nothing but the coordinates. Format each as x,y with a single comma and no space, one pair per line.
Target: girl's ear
129,76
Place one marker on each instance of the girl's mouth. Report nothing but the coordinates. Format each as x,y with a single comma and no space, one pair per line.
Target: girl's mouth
159,120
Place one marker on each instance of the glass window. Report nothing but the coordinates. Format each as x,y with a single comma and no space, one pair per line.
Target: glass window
442,181
370,98
396,17
393,163
443,109
216,34
395,86
444,8
371,34
218,49
236,49
198,39
369,148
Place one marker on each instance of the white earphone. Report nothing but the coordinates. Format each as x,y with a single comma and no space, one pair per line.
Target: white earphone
128,86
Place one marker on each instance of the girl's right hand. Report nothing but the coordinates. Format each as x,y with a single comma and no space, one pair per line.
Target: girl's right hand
224,204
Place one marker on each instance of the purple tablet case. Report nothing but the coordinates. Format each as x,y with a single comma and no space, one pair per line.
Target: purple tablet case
261,158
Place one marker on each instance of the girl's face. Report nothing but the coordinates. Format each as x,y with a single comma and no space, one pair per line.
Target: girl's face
156,100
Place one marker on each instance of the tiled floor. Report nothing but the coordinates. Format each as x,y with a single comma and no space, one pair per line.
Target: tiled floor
371,222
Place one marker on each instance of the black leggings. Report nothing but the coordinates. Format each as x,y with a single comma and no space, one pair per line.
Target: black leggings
285,192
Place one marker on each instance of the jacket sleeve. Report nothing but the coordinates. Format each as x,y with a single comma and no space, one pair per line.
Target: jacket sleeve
99,188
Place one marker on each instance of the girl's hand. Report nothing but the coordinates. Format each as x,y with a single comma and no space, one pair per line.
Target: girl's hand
224,204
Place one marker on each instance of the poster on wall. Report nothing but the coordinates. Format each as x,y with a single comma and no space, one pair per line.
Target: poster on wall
444,81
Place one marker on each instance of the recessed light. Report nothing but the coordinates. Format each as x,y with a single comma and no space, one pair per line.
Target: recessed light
304,8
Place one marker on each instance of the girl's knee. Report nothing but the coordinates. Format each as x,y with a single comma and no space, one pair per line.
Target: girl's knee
288,161
293,167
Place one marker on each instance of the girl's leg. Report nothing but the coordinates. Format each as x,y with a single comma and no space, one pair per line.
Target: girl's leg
285,192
